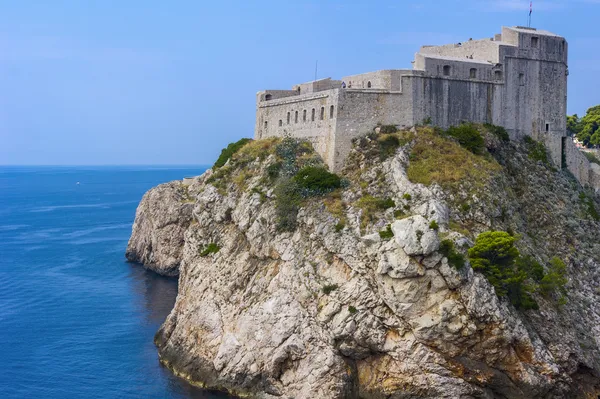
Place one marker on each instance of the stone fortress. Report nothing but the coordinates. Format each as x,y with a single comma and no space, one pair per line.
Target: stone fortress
517,79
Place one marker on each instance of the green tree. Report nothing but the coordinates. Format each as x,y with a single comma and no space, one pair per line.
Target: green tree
586,129
555,280
495,256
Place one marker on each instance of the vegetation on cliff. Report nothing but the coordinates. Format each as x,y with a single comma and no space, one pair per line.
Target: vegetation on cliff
587,128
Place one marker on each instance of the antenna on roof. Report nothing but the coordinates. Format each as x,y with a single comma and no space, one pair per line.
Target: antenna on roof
530,11
316,66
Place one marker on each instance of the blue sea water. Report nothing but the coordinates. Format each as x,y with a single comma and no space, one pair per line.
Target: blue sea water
77,320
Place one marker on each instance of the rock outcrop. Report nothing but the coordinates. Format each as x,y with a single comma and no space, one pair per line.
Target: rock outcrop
333,309
162,218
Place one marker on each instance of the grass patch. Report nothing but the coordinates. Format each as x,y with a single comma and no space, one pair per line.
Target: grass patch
339,226
407,196
211,248
387,234
352,310
371,205
435,159
317,180
434,225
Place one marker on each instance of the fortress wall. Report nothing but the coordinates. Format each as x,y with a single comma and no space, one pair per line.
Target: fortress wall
448,102
577,163
484,50
379,80
275,94
459,69
319,132
359,113
316,86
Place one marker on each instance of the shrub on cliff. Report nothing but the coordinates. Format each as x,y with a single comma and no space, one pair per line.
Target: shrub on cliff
228,152
494,255
317,180
468,137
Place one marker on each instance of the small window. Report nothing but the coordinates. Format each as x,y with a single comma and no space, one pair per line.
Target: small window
296,117
268,97
280,123
265,125
349,84
322,113
446,70
369,85
304,116
312,115
535,41
331,112
473,73
521,79
298,90
547,127
498,75
288,118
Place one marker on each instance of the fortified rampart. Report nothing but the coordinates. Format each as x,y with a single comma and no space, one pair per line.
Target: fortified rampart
517,79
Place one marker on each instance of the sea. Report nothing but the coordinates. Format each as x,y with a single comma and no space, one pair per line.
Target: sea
76,319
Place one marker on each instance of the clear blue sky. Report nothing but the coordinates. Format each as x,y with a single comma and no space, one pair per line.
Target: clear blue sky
172,82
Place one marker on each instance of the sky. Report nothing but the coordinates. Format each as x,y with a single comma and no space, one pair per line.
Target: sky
156,82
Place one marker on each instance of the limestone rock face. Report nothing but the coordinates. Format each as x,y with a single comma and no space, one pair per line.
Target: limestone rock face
323,312
163,216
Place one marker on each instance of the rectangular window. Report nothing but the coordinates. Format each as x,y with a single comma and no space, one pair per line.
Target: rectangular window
521,79
265,124
296,117
322,113
473,73
288,118
312,115
280,123
535,42
304,116
547,127
331,112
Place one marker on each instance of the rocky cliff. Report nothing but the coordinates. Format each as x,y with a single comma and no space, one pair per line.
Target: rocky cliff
348,293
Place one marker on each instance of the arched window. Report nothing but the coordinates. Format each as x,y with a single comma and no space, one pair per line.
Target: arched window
265,125
322,113
296,117
280,123
498,75
288,118
312,115
446,70
473,73
268,97
304,116
331,112
368,85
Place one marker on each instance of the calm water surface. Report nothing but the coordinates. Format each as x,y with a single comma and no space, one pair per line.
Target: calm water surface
76,320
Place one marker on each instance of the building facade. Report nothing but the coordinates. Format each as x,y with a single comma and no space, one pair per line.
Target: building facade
517,79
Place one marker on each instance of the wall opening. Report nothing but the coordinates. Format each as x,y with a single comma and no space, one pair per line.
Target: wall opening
331,112
521,79
268,97
265,125
296,117
280,123
304,116
350,84
322,113
535,41
369,85
288,118
312,115
446,70
298,90
498,75
547,127
473,73
563,152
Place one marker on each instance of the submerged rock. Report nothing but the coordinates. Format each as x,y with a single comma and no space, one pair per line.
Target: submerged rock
332,309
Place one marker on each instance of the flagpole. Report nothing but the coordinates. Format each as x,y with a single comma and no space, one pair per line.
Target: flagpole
530,11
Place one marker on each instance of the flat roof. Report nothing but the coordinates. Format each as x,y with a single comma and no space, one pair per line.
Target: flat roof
534,31
461,59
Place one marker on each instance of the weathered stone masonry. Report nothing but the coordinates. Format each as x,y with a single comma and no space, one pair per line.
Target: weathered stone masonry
517,79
